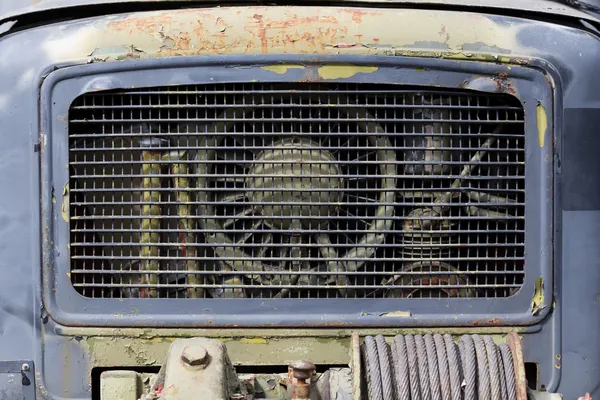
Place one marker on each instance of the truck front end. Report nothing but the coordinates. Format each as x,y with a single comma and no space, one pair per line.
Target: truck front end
358,200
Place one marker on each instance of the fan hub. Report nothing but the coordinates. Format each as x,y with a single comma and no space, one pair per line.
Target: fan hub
295,178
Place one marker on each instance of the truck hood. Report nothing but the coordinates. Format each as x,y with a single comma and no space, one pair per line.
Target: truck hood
13,9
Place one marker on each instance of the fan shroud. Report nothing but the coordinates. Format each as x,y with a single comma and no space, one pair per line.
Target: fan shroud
291,199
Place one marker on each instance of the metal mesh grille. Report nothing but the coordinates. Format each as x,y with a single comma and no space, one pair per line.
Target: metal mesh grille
303,191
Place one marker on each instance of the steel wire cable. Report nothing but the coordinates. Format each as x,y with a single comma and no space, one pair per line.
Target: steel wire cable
371,357
402,369
422,362
413,369
443,366
509,369
469,366
434,372
455,373
386,368
436,367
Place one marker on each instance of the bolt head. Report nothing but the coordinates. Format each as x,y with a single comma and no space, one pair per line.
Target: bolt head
25,367
302,369
195,356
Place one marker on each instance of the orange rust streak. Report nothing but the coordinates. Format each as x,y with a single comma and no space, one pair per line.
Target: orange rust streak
262,32
202,31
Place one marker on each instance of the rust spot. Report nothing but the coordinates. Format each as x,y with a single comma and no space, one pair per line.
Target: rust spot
504,84
514,342
492,321
144,24
311,76
357,15
262,32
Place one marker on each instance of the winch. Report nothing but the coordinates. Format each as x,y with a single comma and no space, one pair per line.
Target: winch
402,367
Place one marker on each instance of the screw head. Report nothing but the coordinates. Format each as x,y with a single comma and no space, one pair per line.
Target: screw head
195,356
302,369
25,367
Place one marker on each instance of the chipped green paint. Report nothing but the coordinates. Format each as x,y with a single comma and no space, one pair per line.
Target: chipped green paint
118,351
232,333
274,348
281,69
459,55
64,208
538,301
343,71
542,123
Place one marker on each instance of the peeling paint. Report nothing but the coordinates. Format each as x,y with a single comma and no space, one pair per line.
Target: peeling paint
542,123
537,302
282,68
343,71
64,208
404,314
228,334
287,30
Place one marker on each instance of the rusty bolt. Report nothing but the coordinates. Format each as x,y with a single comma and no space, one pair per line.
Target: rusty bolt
302,370
195,356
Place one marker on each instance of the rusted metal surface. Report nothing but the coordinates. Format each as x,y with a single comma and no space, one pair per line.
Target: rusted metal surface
300,373
356,367
291,30
514,342
195,356
150,225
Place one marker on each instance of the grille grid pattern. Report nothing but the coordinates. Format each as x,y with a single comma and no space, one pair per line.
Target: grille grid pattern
303,190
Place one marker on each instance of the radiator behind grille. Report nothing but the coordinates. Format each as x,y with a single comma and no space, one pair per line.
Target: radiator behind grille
304,191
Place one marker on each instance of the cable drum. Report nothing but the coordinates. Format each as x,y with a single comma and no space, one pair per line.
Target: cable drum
436,367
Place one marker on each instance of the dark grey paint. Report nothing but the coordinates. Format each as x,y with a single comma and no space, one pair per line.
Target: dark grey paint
570,331
16,381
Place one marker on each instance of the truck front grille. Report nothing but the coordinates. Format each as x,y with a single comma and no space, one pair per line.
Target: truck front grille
296,190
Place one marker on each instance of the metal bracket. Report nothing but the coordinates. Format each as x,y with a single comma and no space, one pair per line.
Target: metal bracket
537,395
17,379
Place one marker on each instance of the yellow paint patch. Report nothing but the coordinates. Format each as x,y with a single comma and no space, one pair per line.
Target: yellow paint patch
542,123
254,341
537,302
282,68
400,314
344,71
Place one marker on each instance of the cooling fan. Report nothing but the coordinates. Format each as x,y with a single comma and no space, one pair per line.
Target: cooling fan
292,199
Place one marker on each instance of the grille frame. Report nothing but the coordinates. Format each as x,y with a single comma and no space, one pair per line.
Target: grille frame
70,308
